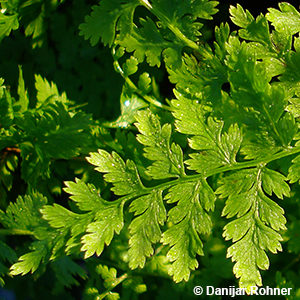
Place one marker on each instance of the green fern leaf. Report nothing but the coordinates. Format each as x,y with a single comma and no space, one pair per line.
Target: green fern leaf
215,148
294,170
200,81
48,92
258,220
97,226
167,157
7,24
274,182
240,17
291,76
185,14
29,262
254,30
146,41
35,28
189,219
79,191
24,217
8,165
106,18
108,222
55,133
145,228
60,217
287,18
124,176
24,213
71,226
249,80
22,93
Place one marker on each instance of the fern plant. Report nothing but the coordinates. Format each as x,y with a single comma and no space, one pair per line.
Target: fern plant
228,138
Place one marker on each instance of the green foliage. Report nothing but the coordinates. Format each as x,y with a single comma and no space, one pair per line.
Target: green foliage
8,23
169,186
215,149
147,40
98,228
32,15
118,15
49,130
167,158
190,218
285,19
258,220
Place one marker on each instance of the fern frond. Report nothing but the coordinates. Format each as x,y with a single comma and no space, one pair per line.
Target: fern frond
106,18
214,148
29,262
232,132
96,227
189,219
124,176
48,92
258,220
294,170
167,157
7,24
287,18
145,229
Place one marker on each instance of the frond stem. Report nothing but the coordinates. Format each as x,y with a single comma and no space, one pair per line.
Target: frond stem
116,282
176,31
167,22
137,90
15,231
233,167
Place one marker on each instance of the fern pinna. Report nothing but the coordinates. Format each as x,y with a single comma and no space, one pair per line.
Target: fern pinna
230,137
